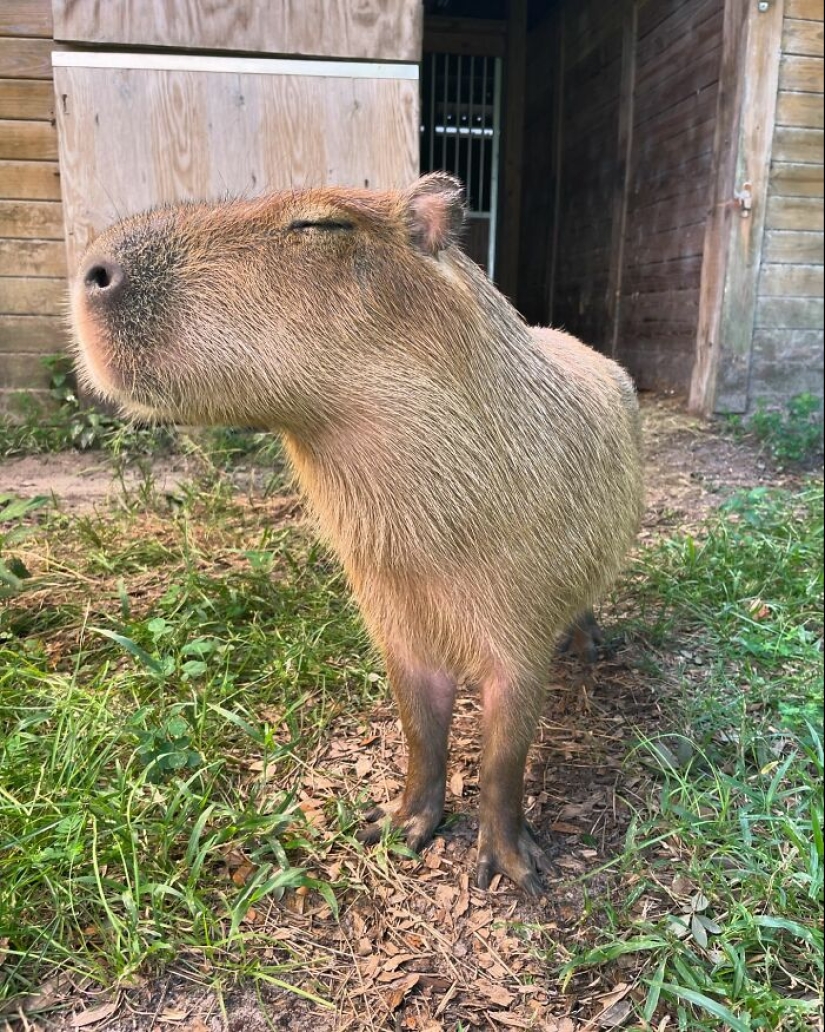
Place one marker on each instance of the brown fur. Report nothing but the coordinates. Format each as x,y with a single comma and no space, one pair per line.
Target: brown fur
479,480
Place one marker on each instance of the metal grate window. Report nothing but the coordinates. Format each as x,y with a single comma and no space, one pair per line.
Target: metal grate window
461,132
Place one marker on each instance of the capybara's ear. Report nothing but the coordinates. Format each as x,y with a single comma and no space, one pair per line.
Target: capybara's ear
435,212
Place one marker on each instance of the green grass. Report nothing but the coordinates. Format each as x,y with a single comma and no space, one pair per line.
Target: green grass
791,435
721,883
168,669
162,687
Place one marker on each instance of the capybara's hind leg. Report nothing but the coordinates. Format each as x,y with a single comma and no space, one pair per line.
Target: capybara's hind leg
505,843
583,638
425,698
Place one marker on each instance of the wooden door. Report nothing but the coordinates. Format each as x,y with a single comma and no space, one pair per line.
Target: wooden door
143,128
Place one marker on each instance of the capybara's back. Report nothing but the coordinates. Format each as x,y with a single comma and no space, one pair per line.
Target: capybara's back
481,481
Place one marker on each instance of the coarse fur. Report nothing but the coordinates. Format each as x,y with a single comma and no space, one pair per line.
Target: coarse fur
479,479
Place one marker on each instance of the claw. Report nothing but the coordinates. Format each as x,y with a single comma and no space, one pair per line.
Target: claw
523,862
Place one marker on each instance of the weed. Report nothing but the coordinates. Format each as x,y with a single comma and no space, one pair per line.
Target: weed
727,863
792,435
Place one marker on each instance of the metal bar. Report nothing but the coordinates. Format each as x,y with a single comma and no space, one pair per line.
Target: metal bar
469,186
491,252
483,135
457,162
444,111
432,163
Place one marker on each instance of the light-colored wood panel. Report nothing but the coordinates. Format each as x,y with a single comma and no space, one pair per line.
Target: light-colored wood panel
26,98
370,29
804,109
44,334
803,37
32,258
733,244
792,281
801,74
40,219
793,247
130,139
810,9
798,145
25,58
795,213
23,371
26,18
29,295
794,313
29,180
27,141
789,180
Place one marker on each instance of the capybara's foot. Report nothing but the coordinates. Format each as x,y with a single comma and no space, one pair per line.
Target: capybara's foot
416,824
519,858
583,638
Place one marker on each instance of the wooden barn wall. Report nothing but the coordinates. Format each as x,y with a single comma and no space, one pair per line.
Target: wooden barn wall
788,344
540,169
368,29
677,56
132,138
622,131
32,255
589,164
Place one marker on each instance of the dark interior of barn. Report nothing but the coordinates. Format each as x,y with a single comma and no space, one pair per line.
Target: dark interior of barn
585,134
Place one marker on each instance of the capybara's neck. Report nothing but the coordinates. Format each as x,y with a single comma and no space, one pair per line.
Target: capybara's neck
425,442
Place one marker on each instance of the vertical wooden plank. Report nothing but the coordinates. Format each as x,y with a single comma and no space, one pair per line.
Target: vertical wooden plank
733,243
625,150
510,209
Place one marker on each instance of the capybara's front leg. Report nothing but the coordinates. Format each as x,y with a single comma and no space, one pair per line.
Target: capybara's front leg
425,698
506,845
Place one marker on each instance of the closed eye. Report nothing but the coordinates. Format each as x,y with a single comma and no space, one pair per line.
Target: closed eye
332,225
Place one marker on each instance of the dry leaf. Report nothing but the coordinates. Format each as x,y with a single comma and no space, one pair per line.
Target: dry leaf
497,993
94,1014
173,1014
510,1020
457,784
395,998
398,960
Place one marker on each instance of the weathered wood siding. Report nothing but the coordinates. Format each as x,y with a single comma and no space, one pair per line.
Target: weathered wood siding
677,61
135,137
788,344
627,149
370,29
32,256
589,165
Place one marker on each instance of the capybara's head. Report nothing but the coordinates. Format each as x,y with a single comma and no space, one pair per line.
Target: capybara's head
258,312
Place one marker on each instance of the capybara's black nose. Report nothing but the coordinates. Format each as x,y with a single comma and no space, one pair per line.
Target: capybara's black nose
104,278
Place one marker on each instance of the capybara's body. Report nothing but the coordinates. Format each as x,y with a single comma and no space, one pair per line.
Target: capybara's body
479,480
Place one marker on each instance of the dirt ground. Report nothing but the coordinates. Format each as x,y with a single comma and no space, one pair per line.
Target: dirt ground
418,947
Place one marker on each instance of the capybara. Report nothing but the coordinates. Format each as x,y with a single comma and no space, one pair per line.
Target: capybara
480,480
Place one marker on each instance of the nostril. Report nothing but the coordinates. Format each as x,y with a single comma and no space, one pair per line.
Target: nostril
103,275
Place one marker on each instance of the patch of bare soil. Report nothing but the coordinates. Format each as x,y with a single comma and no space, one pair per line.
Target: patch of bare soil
82,481
417,946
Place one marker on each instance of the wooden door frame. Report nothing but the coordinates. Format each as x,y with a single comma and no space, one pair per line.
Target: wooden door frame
745,115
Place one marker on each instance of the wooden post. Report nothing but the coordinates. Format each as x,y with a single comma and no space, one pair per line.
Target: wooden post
746,108
625,152
510,207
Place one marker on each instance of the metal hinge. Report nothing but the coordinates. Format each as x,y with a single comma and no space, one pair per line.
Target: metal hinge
744,198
